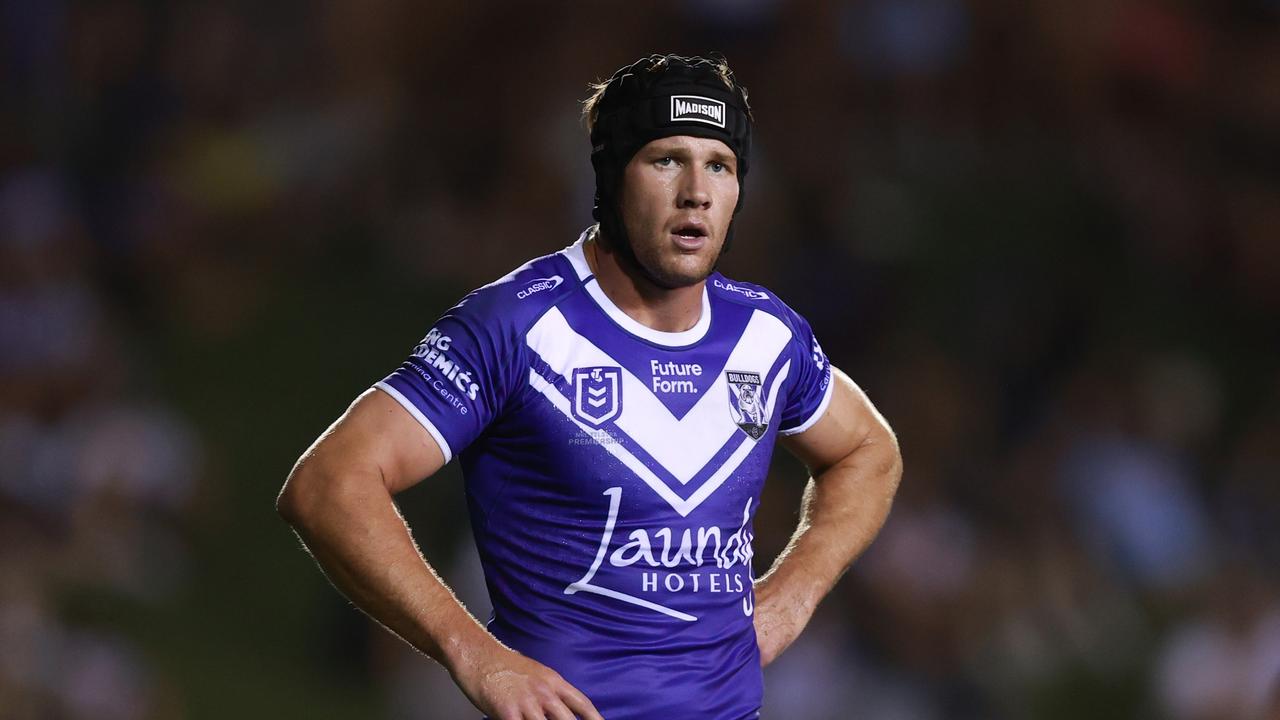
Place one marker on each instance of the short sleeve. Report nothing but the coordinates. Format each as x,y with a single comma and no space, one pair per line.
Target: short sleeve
455,381
809,390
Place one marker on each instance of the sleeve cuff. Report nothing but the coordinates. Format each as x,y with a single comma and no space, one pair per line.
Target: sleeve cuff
817,414
422,419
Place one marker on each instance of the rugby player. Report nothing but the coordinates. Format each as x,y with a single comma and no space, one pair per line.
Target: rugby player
614,406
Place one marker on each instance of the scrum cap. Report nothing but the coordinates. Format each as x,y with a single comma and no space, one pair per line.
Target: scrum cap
660,96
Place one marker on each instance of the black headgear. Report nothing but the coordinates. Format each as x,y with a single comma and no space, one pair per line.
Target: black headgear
655,97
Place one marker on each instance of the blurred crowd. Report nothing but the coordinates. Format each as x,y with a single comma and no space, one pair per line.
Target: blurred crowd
1044,237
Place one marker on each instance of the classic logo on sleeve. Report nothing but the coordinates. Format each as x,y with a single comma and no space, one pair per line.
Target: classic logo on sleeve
538,285
597,394
753,294
746,402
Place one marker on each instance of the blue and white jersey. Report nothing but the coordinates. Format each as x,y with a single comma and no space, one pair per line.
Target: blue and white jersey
612,473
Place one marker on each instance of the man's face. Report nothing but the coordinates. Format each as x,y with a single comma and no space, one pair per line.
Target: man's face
677,199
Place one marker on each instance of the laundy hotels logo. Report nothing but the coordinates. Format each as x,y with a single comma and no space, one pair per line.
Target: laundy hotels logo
695,108
597,394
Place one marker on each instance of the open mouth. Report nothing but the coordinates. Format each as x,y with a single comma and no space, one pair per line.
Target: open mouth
689,231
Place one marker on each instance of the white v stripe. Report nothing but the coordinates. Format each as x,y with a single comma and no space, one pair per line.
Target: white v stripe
683,446
682,506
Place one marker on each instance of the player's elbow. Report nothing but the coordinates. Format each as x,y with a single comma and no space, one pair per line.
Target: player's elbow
890,465
895,467
324,487
878,452
303,495
290,503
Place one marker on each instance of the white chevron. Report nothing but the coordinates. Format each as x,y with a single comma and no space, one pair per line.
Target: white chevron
683,446
681,505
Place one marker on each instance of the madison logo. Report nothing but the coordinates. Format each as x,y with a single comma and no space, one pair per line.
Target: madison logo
597,394
746,402
696,108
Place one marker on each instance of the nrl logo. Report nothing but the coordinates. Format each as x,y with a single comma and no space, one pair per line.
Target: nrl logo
746,402
597,394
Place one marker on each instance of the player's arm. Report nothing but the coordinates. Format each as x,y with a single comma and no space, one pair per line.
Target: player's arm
338,500
855,466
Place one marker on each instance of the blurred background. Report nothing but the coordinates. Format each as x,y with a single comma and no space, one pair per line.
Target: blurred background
1044,236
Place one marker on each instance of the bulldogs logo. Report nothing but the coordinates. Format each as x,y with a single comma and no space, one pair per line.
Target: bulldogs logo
746,402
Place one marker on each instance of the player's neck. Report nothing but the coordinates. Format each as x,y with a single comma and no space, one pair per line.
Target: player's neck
658,308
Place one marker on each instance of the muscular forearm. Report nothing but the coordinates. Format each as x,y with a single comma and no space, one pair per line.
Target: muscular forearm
842,510
352,528
338,499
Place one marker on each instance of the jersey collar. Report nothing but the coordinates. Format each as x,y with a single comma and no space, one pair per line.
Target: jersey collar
578,259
